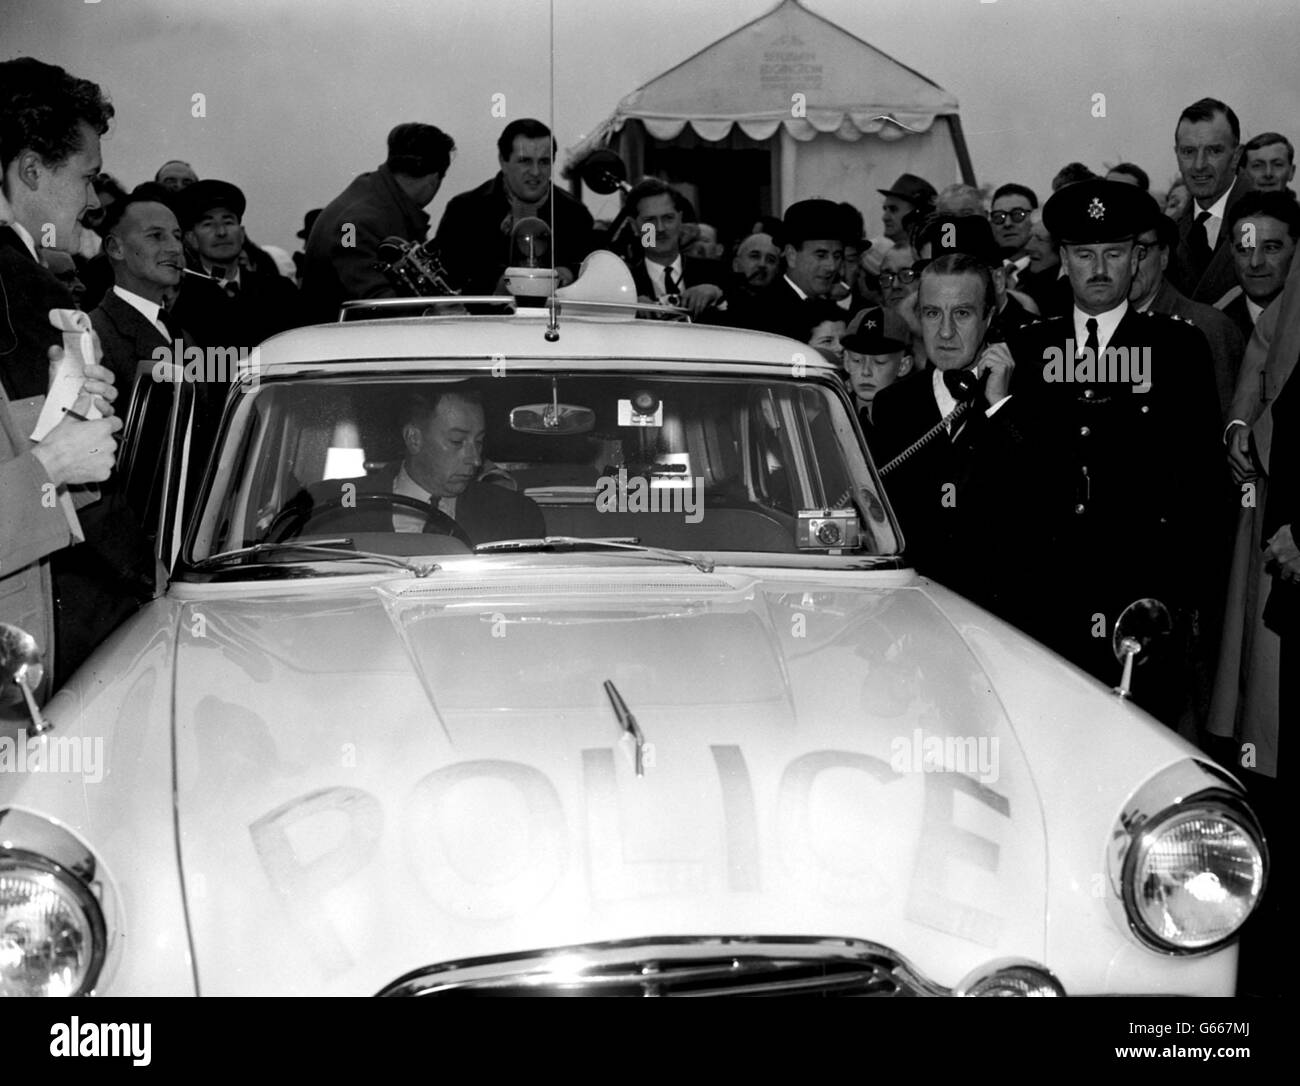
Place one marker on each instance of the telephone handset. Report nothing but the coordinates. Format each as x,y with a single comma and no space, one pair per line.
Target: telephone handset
966,387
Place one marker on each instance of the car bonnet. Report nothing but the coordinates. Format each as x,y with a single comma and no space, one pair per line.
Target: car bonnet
374,779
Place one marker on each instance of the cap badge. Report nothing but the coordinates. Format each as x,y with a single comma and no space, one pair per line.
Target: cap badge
871,324
1097,209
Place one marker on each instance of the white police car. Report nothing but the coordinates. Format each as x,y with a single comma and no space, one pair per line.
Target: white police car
701,730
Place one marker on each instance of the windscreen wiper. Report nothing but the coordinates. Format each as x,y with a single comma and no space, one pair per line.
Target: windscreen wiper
551,542
324,548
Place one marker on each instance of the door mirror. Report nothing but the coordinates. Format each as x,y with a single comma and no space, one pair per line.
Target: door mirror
21,671
1142,623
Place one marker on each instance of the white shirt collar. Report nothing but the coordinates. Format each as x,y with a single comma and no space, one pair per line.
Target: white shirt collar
656,273
945,399
149,310
1106,324
1254,309
412,521
795,287
19,229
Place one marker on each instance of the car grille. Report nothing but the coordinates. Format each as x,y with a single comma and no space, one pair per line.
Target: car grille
680,966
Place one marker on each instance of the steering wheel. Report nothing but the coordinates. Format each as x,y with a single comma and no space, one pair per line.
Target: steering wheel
294,520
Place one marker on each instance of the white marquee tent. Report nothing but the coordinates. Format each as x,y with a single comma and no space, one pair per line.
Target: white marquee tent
787,107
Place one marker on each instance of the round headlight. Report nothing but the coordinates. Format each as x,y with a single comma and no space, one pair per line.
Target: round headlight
1012,978
52,933
1193,877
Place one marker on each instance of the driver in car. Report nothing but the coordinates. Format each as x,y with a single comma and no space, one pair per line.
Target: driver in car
443,436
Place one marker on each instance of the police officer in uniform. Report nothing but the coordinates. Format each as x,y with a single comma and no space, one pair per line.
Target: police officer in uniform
1130,403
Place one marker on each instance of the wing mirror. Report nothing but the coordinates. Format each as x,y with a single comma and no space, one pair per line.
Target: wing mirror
1142,623
21,672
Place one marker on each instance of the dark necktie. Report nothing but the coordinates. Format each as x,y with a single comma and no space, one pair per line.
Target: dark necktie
1198,240
171,324
1093,344
670,285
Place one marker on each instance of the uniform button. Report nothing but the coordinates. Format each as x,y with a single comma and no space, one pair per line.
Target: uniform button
1087,394
1145,408
1084,431
1079,508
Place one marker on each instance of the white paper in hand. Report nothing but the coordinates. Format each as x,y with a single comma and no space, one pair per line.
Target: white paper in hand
80,349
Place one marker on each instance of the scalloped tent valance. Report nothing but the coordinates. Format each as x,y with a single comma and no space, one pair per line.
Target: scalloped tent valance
788,69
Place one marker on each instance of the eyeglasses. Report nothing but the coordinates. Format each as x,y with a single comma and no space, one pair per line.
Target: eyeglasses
1017,215
905,278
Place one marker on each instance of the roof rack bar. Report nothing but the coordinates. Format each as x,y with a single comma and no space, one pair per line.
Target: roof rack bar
359,308
393,306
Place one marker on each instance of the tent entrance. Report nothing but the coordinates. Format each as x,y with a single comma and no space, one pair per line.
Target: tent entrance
729,181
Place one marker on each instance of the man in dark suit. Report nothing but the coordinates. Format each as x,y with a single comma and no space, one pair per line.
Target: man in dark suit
342,253
1152,290
442,475
659,270
475,235
813,234
50,124
966,497
1207,141
142,241
1132,403
230,303
1263,230
972,234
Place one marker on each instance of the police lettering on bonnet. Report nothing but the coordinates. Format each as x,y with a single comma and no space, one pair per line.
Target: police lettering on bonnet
1129,405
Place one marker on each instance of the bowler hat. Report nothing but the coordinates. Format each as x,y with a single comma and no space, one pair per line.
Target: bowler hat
810,220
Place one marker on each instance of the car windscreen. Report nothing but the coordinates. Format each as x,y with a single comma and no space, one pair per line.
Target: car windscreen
440,465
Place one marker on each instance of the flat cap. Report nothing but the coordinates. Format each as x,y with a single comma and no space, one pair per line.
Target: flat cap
196,200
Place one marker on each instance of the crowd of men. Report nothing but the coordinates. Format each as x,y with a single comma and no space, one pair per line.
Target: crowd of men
1074,404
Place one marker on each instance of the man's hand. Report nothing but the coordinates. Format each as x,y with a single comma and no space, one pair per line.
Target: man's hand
1282,556
563,276
1239,458
997,363
699,297
98,387
79,452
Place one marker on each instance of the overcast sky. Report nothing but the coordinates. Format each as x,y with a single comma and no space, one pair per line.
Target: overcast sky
300,93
